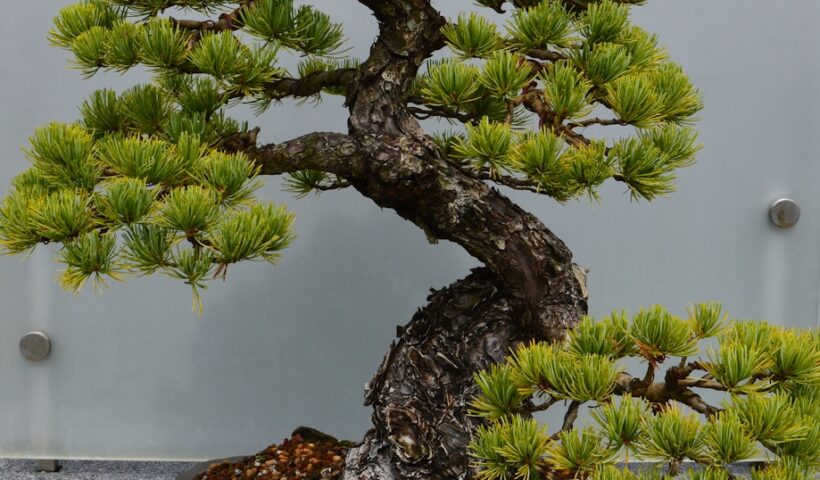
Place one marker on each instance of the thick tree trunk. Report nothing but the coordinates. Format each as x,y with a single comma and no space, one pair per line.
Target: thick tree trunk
528,290
421,393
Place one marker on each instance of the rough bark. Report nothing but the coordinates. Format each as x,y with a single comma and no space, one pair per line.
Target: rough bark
421,393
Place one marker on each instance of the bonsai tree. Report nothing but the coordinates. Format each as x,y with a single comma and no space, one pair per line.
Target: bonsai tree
160,179
771,374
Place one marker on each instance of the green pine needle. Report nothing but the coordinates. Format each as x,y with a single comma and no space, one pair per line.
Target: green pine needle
262,231
580,451
659,334
190,210
544,26
450,83
163,45
148,248
472,36
727,440
500,394
61,216
90,256
672,436
707,319
486,146
126,201
153,161
505,74
232,176
623,422
567,91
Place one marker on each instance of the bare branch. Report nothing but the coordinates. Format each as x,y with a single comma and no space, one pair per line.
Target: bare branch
226,21
329,152
540,407
569,418
312,84
430,111
509,181
597,121
547,55
650,373
701,383
676,386
334,185
696,403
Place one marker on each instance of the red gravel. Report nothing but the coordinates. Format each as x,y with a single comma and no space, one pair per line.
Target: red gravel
293,459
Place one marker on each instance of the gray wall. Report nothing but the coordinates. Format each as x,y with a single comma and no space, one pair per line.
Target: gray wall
134,374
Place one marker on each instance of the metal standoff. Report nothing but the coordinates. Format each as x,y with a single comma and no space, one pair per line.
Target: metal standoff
50,466
784,213
35,346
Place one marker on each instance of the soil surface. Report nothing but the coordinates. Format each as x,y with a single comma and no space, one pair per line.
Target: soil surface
307,455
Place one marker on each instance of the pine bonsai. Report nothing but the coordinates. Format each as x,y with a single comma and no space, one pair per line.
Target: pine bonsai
160,179
771,374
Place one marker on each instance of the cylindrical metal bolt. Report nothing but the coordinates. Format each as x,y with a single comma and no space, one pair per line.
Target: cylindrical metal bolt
784,213
35,346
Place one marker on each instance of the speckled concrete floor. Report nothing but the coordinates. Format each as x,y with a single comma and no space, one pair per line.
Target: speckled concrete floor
87,470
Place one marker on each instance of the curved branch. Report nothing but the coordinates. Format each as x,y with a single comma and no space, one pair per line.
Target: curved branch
307,86
226,21
509,181
569,418
702,383
676,386
436,111
312,84
597,121
329,152
547,55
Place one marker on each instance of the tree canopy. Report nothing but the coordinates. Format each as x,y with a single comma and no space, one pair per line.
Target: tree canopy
159,178
771,376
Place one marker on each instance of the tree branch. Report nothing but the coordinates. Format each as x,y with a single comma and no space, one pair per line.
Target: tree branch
569,418
650,374
597,121
334,185
701,383
547,55
226,21
329,152
695,402
676,386
436,111
540,407
311,84
509,181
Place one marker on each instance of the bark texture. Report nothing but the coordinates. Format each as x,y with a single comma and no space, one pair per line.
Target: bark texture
421,393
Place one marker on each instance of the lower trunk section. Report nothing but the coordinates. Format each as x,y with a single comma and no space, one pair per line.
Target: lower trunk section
421,393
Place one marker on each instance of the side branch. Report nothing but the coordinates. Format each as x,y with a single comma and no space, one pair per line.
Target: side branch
312,84
307,86
226,21
329,152
676,386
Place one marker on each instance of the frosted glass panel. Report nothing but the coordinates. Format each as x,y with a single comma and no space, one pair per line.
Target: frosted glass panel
134,374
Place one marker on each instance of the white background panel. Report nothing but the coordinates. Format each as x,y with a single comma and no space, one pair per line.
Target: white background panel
134,374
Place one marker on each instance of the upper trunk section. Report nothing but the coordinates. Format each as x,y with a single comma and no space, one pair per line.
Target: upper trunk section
405,171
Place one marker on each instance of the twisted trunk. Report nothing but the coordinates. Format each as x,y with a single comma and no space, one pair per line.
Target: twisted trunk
529,288
421,393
